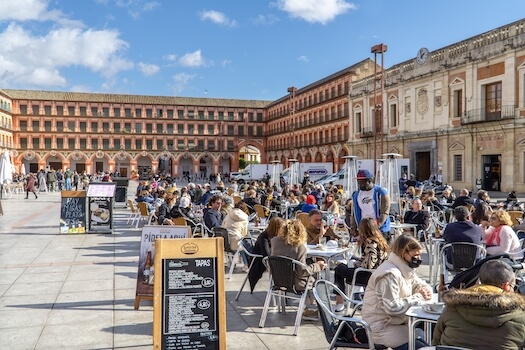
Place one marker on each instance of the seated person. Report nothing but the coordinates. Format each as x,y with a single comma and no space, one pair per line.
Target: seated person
499,236
448,197
316,228
250,199
330,205
290,242
212,215
374,250
310,204
463,199
147,198
391,290
486,316
167,211
417,216
462,230
263,247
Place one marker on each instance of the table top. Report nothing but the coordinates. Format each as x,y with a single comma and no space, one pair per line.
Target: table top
404,225
418,312
261,227
314,250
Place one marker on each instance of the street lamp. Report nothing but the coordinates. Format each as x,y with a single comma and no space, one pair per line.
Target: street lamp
291,90
379,49
392,179
350,175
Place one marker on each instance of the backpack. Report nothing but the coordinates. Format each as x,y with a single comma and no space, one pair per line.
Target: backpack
353,333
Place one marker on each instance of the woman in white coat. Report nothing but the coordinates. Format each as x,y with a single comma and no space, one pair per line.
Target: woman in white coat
392,289
236,222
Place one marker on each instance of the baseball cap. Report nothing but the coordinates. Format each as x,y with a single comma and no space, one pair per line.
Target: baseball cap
364,175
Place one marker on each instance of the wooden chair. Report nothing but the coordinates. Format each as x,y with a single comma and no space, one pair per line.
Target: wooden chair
144,214
516,216
180,221
230,191
303,217
236,199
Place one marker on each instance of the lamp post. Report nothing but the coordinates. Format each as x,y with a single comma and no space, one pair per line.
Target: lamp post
379,77
291,90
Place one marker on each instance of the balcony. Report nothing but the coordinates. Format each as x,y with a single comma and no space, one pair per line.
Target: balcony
483,115
366,132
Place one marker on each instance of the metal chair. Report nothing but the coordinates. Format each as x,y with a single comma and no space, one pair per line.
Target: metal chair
459,256
356,289
229,253
334,325
244,245
282,285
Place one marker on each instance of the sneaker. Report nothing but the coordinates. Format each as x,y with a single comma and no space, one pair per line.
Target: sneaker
245,268
310,315
339,308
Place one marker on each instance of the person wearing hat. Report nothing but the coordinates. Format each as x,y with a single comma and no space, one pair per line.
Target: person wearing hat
463,229
310,204
370,201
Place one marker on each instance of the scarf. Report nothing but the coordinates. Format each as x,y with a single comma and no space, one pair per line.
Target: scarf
494,239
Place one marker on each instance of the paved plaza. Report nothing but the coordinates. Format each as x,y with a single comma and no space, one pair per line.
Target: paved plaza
76,291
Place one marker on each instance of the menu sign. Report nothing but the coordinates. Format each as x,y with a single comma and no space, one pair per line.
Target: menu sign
190,311
101,189
189,301
73,212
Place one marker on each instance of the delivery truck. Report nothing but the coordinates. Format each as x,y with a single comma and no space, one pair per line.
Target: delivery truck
315,171
256,172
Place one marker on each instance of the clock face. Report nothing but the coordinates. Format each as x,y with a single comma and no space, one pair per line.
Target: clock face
422,55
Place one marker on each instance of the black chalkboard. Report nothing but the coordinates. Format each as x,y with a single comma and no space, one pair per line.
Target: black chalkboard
73,212
190,308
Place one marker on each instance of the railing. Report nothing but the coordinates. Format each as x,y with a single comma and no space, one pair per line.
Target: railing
483,115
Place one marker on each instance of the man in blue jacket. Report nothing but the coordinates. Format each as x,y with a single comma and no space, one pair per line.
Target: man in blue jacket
370,201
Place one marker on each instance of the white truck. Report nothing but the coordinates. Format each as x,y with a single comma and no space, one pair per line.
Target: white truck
256,172
314,170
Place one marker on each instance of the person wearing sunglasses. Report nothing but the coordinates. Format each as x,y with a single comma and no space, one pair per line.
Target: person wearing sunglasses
499,236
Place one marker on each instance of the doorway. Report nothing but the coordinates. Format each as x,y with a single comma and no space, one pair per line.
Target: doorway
422,166
492,172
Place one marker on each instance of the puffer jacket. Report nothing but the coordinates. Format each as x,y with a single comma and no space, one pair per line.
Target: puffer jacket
236,222
392,289
482,318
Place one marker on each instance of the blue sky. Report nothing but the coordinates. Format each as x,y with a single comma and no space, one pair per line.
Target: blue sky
246,49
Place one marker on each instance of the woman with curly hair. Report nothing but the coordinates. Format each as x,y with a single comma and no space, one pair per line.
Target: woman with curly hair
291,242
499,235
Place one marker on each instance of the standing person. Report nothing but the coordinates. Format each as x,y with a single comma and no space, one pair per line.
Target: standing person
30,185
291,242
402,183
51,180
392,289
374,251
68,177
486,316
370,201
306,179
75,180
42,183
60,179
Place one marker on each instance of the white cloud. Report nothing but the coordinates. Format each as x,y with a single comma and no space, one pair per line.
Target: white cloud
33,10
303,58
137,7
180,82
225,63
37,60
315,11
265,19
217,17
170,57
192,59
148,69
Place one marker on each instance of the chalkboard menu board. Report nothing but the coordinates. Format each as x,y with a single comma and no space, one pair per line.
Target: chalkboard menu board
189,303
73,212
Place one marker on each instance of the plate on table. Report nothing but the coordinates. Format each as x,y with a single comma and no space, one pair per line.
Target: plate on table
433,308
